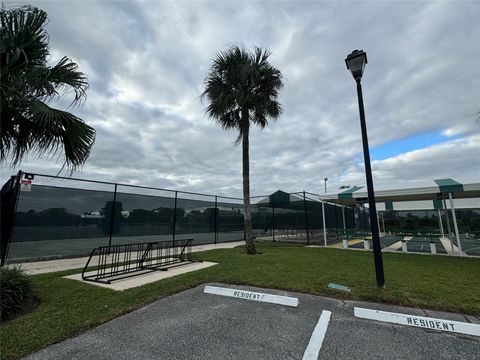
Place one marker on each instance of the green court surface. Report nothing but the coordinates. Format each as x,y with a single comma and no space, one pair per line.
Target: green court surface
471,246
421,244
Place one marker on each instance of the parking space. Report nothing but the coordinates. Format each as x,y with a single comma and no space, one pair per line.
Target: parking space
198,325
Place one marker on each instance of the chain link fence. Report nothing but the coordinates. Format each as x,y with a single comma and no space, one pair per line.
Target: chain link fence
57,217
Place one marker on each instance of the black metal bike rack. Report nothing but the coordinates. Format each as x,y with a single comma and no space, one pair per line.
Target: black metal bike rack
115,262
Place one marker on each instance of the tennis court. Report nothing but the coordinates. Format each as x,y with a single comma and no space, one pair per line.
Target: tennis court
421,219
412,242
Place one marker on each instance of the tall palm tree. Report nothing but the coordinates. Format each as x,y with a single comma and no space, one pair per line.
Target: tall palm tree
242,88
27,82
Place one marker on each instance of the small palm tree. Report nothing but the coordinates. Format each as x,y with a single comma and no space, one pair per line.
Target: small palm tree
242,88
27,82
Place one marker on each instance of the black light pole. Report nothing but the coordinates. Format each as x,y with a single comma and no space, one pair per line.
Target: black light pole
356,62
325,181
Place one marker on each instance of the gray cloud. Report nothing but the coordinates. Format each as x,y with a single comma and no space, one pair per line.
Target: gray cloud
146,62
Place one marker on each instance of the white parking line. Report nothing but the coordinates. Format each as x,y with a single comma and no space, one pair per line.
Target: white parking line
316,340
252,295
419,321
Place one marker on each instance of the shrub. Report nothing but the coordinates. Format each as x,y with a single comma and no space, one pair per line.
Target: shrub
16,292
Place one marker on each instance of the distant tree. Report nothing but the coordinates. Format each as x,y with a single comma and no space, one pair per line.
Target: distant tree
27,83
180,213
242,88
142,216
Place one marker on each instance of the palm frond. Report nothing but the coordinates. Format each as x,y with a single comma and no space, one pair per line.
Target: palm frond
55,130
65,75
24,41
241,80
28,124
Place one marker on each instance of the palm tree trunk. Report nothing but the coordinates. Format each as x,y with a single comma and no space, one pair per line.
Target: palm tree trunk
247,215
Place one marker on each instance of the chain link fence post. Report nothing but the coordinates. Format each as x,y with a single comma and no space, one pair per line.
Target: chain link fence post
305,213
336,221
174,226
112,216
215,225
273,218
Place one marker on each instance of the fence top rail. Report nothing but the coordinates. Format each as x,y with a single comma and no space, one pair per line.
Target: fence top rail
157,188
229,197
143,243
135,186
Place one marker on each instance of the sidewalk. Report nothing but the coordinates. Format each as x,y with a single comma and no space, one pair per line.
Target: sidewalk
42,267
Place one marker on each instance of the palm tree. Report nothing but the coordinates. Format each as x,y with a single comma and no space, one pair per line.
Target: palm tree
27,82
242,88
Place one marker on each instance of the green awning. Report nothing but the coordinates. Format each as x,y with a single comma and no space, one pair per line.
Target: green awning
448,185
348,194
437,191
279,198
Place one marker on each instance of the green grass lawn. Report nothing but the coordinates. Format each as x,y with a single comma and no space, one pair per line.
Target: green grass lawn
69,307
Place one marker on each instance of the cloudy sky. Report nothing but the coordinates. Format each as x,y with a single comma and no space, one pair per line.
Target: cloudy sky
146,62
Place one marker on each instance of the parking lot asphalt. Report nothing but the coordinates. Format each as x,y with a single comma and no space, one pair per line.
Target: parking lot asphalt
197,325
